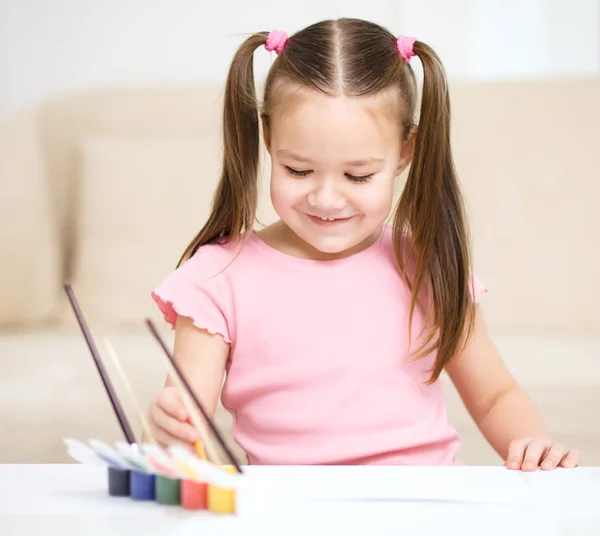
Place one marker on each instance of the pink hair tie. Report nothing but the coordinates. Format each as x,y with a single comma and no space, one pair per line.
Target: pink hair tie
405,45
276,41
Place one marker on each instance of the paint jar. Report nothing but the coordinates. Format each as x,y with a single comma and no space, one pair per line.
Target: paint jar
143,486
118,482
167,490
194,495
222,500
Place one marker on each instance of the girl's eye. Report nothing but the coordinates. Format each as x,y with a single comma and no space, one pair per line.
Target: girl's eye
305,172
354,178
298,172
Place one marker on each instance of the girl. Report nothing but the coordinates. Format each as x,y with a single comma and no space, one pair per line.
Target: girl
331,327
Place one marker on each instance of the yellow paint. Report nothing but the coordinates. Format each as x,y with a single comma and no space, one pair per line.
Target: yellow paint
220,500
200,450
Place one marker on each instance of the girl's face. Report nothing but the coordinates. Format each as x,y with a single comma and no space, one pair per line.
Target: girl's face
334,164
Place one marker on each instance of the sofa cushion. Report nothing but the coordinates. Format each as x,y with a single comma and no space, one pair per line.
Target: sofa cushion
140,202
29,246
135,113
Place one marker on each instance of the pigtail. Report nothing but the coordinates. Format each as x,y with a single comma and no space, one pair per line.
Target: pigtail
431,208
236,197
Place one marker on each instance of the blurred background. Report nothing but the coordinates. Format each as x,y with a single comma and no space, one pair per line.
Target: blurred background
110,150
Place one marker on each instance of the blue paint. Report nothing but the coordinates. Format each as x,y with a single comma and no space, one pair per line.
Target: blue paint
142,486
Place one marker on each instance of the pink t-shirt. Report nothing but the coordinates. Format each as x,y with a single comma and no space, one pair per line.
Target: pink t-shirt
318,370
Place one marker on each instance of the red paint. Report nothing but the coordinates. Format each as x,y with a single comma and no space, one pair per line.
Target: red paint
194,496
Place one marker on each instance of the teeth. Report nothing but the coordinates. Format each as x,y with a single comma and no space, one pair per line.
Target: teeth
327,219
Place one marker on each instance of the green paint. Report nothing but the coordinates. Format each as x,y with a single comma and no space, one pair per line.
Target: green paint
167,490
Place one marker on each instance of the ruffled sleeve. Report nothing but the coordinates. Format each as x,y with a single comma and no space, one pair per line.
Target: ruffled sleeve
196,291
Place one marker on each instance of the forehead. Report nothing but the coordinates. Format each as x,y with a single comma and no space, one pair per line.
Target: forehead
338,125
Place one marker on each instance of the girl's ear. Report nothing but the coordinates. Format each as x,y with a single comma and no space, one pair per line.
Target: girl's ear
266,134
408,149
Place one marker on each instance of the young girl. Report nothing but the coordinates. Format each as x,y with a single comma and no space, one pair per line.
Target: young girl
330,327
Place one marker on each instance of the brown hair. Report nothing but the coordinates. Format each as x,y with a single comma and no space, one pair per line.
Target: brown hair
357,58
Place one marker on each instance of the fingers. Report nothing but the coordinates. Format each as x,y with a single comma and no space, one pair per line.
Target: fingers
570,460
516,453
170,401
528,454
179,429
535,453
168,430
165,439
554,456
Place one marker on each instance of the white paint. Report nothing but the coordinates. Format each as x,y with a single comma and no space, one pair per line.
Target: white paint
48,47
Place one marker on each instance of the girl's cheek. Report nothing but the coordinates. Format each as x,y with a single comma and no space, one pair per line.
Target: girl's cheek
376,200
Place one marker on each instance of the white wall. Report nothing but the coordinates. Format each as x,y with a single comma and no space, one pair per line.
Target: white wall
47,46
485,39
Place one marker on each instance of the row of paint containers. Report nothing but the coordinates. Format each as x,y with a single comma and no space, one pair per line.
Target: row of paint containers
169,477
189,494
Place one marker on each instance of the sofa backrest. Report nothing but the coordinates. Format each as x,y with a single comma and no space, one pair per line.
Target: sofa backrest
527,155
67,120
525,152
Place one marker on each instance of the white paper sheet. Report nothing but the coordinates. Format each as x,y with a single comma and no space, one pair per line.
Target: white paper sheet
482,485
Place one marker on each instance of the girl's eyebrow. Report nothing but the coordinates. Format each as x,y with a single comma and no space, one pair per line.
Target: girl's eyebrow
293,156
304,160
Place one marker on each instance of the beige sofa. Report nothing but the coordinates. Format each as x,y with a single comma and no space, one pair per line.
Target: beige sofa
105,188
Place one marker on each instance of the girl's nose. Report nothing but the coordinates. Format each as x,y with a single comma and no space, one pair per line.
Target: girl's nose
325,197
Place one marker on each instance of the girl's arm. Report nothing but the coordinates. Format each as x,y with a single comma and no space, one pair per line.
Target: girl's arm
201,357
502,410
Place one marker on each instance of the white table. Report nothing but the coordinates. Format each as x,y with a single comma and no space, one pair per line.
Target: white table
72,500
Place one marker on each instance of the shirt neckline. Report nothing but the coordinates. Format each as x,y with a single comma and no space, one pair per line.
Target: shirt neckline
367,253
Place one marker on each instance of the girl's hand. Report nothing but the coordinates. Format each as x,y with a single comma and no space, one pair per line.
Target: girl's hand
169,420
529,453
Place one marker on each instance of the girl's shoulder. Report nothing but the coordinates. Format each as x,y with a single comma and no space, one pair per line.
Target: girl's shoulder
213,258
199,288
408,253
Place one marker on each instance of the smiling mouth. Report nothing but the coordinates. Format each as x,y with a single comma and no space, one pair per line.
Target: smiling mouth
328,221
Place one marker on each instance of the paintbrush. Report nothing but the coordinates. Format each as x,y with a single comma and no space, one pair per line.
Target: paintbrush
205,439
141,414
114,400
185,389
